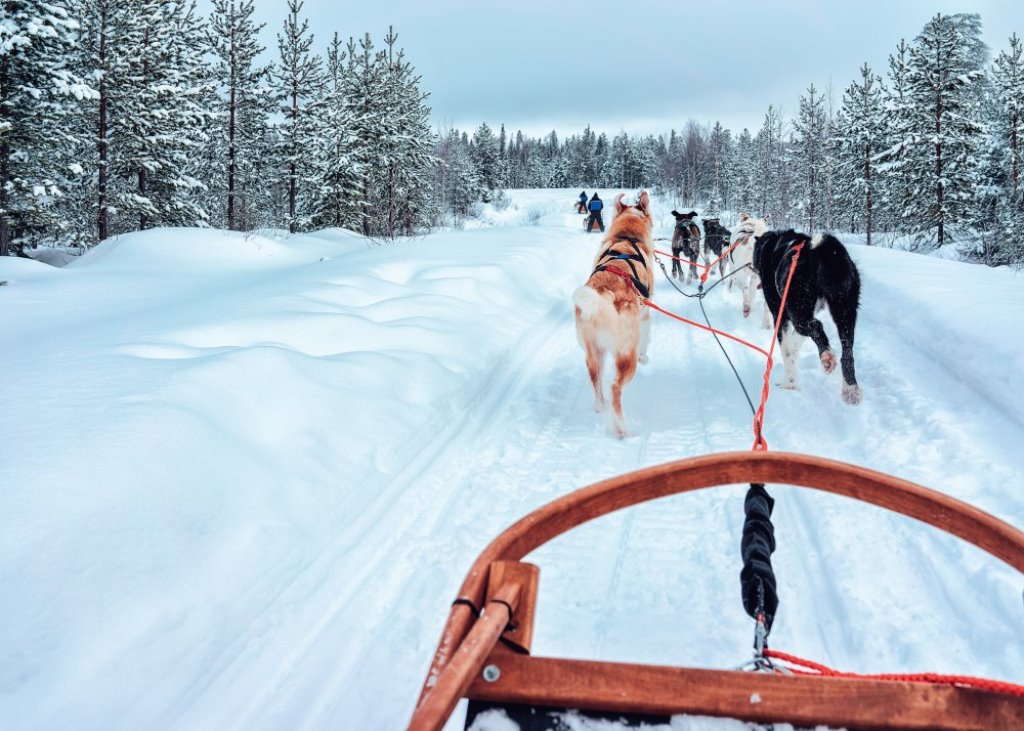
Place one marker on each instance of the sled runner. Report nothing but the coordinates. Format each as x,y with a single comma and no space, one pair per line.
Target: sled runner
484,652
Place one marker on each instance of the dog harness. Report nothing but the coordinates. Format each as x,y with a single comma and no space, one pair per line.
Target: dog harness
628,259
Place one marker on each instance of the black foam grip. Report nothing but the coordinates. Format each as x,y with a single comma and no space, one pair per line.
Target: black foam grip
757,578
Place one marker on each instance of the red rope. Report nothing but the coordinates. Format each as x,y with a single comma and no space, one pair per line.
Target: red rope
706,267
705,327
759,442
677,258
808,667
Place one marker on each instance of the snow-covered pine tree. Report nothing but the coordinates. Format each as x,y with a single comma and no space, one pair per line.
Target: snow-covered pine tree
457,182
1007,77
160,124
37,92
720,156
944,85
366,111
617,167
600,157
90,205
769,197
336,194
693,162
408,163
859,136
809,156
235,177
486,158
744,166
645,163
1002,196
297,84
828,220
894,177
516,161
669,170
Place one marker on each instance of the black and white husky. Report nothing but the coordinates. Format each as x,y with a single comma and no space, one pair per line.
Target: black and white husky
826,274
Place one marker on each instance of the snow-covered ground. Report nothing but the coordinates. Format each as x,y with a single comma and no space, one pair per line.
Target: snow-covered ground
241,478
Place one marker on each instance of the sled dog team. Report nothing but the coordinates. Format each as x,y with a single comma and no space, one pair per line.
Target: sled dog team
612,319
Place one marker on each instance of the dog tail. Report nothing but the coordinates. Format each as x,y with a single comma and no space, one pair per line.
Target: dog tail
588,302
837,273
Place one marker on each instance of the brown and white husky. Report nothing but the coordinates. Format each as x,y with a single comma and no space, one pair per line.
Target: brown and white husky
610,316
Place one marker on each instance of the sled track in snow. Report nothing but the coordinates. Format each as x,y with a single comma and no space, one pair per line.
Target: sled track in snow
405,519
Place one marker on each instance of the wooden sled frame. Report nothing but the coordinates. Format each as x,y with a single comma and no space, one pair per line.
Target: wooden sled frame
473,661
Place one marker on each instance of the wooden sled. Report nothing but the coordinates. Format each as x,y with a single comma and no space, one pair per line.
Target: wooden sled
483,655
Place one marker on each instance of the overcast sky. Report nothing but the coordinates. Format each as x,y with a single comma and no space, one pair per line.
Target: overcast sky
641,66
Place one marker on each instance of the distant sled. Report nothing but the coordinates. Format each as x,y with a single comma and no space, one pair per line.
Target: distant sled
484,652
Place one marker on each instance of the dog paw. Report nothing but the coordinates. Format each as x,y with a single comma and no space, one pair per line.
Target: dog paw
828,361
598,406
788,385
746,310
852,394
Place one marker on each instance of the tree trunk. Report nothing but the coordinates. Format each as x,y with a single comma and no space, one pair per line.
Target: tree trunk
1014,152
102,216
233,72
939,192
5,173
867,184
143,220
292,169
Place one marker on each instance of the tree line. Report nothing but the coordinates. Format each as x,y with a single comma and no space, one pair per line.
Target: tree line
930,149
122,115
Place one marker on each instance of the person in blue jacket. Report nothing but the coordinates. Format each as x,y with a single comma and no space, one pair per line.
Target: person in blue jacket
581,207
595,207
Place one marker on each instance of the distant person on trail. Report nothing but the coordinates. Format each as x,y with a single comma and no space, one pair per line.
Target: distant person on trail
595,207
581,207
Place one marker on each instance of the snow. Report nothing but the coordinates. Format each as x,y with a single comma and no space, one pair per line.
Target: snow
244,475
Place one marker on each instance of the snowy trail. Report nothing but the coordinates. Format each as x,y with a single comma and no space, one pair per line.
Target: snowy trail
415,400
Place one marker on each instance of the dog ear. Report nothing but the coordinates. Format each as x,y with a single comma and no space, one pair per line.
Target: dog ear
675,213
618,203
644,203
767,218
744,216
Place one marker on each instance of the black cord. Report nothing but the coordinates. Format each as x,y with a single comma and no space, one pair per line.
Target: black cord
739,380
701,293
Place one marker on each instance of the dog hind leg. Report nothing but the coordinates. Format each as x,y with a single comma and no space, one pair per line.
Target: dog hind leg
846,321
595,364
625,369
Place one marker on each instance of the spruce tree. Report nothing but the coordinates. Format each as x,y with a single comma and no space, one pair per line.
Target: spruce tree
860,133
943,84
744,168
485,156
297,82
336,193
366,111
37,91
160,124
810,156
407,145
242,106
